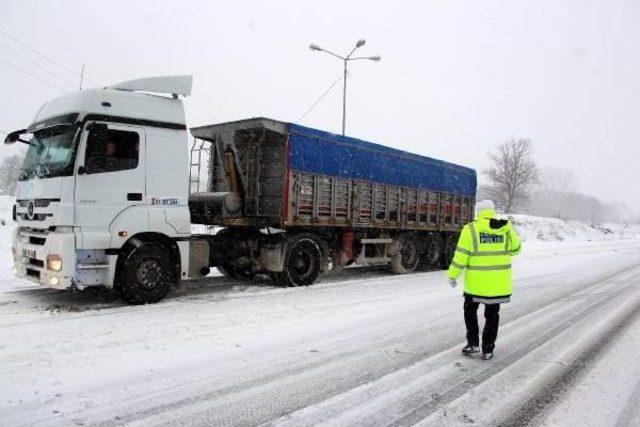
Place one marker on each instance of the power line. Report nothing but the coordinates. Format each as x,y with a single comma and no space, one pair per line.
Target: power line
48,58
35,76
326,92
18,54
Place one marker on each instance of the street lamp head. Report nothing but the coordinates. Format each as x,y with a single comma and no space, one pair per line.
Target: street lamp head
314,47
360,43
375,58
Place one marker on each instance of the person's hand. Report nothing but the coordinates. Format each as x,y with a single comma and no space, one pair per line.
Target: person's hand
452,282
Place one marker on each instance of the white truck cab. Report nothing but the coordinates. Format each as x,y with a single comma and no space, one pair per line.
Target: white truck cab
102,198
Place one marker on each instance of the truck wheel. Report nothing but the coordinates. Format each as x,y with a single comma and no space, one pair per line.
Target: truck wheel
301,263
146,275
233,249
433,251
408,258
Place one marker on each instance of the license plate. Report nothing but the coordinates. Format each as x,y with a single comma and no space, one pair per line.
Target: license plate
29,253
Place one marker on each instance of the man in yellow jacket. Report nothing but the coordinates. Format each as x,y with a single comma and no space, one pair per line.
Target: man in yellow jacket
484,250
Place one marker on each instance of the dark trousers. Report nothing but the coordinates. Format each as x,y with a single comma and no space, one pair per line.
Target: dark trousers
490,331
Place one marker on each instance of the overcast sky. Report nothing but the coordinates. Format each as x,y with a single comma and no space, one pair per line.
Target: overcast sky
456,77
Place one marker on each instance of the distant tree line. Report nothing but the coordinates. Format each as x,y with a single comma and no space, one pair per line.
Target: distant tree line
569,205
517,185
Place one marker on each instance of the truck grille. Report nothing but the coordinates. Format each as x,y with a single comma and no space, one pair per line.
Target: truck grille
35,236
36,217
33,273
36,262
40,241
38,203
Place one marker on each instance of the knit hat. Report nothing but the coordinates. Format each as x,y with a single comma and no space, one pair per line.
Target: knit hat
484,205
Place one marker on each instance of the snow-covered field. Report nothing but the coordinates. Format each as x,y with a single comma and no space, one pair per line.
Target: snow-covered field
362,347
538,229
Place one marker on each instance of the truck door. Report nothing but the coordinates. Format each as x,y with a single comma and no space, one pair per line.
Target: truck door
110,178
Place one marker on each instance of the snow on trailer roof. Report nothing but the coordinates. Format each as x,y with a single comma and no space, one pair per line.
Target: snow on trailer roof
208,132
175,85
316,151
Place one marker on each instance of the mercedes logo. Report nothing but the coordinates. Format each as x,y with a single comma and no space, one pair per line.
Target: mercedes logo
30,213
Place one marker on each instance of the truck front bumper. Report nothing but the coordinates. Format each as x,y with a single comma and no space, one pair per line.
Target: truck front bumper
30,251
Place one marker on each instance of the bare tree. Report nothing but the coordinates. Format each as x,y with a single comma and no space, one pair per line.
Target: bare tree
9,172
512,172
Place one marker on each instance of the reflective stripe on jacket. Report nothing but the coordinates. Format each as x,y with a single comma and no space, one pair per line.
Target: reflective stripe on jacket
484,249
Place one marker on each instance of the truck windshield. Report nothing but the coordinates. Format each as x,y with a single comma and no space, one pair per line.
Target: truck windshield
51,153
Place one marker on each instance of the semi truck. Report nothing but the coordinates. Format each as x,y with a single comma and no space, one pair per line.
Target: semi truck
111,188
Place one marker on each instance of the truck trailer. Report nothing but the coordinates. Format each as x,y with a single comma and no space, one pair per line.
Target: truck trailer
109,193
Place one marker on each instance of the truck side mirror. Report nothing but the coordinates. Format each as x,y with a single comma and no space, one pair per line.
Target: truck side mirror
14,137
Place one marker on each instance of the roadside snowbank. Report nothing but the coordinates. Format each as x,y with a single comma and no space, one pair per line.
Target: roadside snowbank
556,230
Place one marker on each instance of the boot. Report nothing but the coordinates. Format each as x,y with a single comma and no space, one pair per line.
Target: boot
487,356
470,349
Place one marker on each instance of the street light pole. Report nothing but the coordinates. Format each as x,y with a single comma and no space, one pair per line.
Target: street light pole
344,98
345,60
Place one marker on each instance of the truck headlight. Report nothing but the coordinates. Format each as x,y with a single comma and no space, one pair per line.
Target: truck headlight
54,262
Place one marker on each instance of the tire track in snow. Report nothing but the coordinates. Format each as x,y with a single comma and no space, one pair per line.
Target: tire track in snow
327,369
413,407
535,408
340,356
534,384
536,402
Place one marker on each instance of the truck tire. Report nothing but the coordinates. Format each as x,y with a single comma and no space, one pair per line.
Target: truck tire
433,251
408,258
145,277
230,245
302,263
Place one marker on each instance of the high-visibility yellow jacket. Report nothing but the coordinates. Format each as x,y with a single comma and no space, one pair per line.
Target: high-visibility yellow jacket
484,249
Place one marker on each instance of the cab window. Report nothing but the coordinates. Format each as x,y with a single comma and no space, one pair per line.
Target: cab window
111,150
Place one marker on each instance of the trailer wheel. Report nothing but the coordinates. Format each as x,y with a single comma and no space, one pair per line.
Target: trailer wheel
433,251
302,263
408,258
146,275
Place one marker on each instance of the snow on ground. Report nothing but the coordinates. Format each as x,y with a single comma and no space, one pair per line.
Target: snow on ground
362,347
534,228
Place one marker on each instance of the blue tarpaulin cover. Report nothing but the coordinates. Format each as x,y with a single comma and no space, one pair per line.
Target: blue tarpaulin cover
319,152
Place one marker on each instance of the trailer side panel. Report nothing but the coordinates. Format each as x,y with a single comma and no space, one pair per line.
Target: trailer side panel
346,182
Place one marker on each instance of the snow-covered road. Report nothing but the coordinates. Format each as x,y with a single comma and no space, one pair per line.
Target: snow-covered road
360,348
